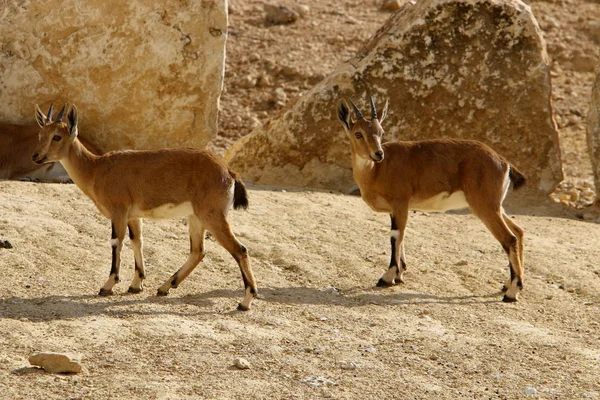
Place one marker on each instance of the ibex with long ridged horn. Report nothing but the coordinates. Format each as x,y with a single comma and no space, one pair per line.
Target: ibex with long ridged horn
127,186
432,175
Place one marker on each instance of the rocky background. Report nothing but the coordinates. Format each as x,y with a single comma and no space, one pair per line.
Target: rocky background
143,76
466,69
270,64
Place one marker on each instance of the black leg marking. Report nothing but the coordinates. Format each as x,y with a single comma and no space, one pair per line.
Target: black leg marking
139,272
393,259
246,281
244,253
131,234
113,234
113,266
394,225
393,262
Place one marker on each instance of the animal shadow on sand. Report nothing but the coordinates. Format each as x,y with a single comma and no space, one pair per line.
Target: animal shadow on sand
47,308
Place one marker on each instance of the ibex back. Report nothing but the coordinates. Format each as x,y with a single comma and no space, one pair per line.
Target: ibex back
127,186
432,175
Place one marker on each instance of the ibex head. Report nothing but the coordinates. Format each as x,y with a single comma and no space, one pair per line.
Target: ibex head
365,134
56,136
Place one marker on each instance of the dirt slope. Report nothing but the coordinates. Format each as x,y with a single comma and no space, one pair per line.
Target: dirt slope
444,334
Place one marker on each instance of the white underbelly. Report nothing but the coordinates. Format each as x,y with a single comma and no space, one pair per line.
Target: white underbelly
165,211
440,202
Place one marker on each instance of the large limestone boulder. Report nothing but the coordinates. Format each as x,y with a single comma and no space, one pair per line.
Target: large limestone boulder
450,68
143,74
593,132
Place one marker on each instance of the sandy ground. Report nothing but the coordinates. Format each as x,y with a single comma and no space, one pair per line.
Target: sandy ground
323,330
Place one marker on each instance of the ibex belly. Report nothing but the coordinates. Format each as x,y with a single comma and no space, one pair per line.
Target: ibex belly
440,202
164,211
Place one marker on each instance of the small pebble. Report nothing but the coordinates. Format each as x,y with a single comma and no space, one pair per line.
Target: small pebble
370,349
317,381
329,289
348,366
276,14
391,5
241,363
55,363
530,391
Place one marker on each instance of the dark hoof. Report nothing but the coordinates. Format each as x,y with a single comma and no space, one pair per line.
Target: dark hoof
382,283
507,299
104,292
5,244
134,290
240,307
160,293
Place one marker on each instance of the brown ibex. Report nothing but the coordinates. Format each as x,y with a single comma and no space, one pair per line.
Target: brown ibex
127,186
432,175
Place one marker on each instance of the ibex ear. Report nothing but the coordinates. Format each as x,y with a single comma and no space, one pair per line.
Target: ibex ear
384,111
40,117
72,121
343,112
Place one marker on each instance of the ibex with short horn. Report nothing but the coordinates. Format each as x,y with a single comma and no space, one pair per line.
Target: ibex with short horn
127,186
432,175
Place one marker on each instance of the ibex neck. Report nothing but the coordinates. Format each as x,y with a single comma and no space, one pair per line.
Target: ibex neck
363,170
79,165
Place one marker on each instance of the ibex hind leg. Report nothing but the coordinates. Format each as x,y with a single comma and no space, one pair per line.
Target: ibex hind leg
496,224
520,234
221,230
197,232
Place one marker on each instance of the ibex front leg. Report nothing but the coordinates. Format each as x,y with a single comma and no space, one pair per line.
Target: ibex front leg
135,235
119,227
394,274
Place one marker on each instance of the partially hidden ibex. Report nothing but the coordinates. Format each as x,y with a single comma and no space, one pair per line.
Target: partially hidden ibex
15,155
432,175
127,186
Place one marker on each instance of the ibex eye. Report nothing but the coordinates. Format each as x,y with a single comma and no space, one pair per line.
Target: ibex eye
57,138
358,135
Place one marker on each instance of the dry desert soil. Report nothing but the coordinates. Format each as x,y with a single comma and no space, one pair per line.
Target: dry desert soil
322,328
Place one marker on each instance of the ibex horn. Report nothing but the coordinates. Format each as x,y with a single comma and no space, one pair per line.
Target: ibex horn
59,117
373,110
50,111
359,115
